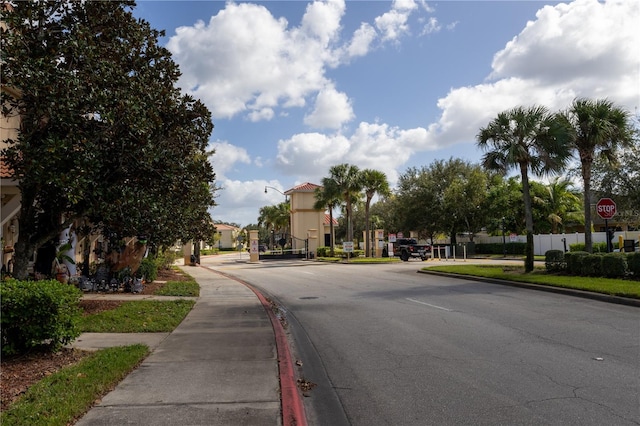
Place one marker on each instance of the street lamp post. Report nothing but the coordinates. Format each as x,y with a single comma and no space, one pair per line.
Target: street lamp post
275,189
219,241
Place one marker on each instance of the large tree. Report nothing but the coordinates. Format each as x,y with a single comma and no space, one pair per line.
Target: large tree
619,180
373,182
104,134
529,139
597,128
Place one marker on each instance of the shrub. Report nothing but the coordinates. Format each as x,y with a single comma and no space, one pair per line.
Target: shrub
595,247
323,251
614,265
166,259
633,263
554,261
574,261
148,269
36,313
592,265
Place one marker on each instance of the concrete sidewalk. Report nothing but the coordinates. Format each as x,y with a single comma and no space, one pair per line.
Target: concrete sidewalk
219,367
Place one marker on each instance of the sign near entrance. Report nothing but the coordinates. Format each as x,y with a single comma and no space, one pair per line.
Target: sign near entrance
606,208
347,246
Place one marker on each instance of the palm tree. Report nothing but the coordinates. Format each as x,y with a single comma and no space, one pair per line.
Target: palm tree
348,180
328,197
596,128
276,217
562,203
528,139
373,182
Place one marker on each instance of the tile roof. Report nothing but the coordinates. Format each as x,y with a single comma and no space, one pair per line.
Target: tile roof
225,227
5,170
303,187
327,218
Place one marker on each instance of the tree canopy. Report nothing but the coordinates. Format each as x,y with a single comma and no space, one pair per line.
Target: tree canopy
596,128
105,134
531,140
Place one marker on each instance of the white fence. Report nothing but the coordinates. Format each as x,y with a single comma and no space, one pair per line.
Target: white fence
544,242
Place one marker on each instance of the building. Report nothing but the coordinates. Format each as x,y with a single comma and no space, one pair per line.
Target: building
308,224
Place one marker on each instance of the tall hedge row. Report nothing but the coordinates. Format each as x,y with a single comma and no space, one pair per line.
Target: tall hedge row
37,313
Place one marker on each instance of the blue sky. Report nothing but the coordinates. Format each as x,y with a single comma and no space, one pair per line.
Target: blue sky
296,87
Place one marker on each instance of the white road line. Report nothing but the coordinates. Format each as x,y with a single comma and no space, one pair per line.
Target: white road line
308,273
428,304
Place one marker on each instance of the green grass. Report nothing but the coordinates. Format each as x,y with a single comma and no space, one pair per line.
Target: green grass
67,394
179,288
360,259
144,316
611,286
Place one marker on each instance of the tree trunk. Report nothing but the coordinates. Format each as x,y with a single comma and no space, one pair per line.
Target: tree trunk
586,179
367,240
528,261
21,255
526,195
331,242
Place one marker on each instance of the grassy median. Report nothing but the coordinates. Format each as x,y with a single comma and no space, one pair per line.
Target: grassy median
610,286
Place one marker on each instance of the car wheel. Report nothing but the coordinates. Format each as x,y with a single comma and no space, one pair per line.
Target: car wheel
404,256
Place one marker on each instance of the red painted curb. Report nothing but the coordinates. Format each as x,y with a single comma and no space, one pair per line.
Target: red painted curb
292,408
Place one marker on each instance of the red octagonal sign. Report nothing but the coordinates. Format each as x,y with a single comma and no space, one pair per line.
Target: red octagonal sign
606,208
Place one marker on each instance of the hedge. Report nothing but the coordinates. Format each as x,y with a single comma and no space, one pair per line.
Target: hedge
614,265
633,263
554,261
38,313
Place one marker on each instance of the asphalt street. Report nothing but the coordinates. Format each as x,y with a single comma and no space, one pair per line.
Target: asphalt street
389,346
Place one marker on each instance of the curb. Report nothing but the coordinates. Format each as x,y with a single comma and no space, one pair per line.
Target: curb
540,287
292,408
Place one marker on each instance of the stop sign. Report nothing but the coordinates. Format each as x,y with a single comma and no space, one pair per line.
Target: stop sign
606,208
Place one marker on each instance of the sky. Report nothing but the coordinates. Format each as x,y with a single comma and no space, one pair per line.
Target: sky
295,87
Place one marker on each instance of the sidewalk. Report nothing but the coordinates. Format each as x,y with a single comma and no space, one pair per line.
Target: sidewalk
218,367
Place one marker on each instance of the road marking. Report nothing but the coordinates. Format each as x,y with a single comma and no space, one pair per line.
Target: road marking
428,304
308,273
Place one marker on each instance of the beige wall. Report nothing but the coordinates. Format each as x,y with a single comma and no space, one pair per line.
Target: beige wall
304,218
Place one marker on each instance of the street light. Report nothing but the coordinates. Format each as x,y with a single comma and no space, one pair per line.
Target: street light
276,189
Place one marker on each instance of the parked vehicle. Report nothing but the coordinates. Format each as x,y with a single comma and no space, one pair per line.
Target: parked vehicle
406,248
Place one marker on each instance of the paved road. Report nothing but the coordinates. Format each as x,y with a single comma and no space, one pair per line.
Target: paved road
401,348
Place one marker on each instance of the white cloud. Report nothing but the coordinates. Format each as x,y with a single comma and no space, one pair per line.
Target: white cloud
226,156
581,49
393,24
431,26
361,42
246,61
372,145
524,73
237,200
332,109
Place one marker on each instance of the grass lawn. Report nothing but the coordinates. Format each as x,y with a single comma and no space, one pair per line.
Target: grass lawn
142,316
67,394
179,288
360,259
611,286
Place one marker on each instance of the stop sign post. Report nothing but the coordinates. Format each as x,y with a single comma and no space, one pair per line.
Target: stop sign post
606,209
